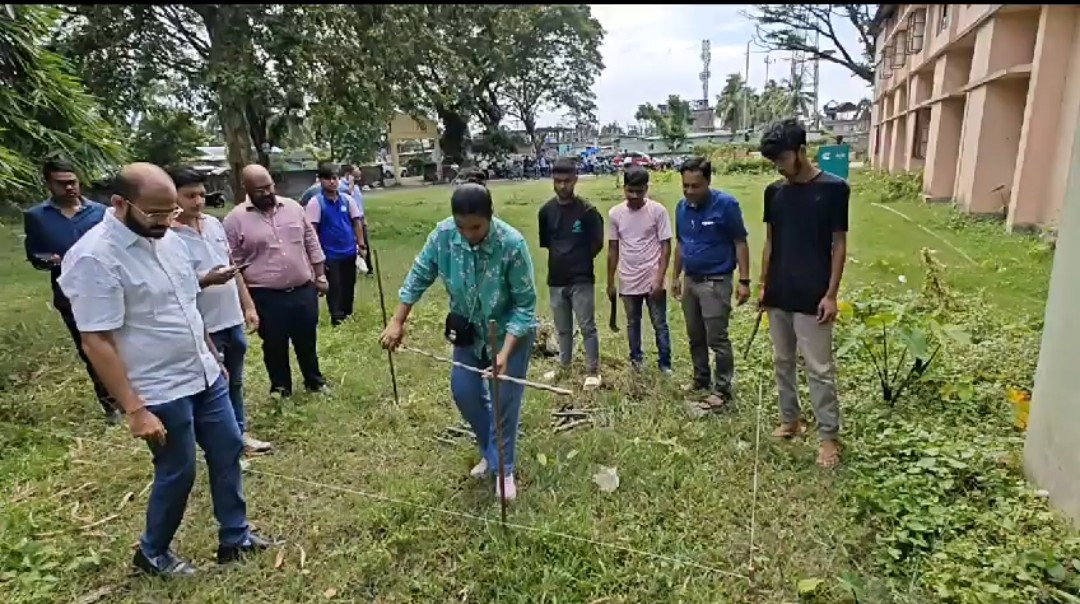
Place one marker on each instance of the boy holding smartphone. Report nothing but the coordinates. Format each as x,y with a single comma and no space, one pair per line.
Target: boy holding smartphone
224,301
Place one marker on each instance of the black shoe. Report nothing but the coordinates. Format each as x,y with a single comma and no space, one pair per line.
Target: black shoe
319,389
166,565
114,417
232,553
282,392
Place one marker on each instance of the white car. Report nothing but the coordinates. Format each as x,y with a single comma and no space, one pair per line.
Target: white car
388,171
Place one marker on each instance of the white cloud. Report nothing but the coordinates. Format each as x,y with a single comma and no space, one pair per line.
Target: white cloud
653,50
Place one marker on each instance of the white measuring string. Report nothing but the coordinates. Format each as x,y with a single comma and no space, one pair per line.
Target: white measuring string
420,506
757,460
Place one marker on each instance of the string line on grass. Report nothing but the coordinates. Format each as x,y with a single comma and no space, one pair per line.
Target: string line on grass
391,500
926,230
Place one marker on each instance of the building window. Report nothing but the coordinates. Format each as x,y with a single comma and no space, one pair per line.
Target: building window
943,18
922,134
916,30
899,49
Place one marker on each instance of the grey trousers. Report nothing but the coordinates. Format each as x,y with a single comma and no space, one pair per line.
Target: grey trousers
576,301
706,307
801,333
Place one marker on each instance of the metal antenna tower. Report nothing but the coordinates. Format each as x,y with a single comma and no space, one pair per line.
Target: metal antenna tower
706,58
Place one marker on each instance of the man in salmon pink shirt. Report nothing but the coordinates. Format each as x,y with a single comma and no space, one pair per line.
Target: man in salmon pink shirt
639,250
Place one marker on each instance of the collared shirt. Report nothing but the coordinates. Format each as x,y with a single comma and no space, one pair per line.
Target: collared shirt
144,292
48,231
493,280
707,234
219,304
353,190
280,244
335,225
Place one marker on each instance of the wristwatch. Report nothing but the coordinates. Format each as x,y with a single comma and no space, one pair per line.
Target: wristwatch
745,282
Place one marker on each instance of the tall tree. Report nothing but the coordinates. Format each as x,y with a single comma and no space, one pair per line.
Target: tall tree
44,108
799,28
553,58
732,101
167,136
254,66
672,123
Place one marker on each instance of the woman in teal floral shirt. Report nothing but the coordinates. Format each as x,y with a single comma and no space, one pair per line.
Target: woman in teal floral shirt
486,268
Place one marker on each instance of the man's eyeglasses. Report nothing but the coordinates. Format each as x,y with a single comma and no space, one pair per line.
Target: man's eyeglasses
162,216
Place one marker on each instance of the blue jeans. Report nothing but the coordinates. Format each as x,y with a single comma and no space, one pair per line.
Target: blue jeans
207,419
471,395
658,317
232,343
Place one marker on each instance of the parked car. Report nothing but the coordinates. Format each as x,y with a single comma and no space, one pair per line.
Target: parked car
388,171
633,158
215,199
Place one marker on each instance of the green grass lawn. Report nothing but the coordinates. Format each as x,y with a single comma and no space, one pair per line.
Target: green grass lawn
374,509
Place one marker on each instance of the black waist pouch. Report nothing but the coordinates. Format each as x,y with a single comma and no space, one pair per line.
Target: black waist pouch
459,331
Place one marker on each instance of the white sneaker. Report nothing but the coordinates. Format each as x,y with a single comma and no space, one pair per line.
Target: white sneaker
592,382
254,445
511,488
480,470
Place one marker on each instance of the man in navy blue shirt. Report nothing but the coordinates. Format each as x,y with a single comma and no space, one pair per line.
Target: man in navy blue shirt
51,228
710,241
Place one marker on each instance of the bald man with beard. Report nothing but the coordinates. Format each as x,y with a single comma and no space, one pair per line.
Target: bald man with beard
272,237
132,286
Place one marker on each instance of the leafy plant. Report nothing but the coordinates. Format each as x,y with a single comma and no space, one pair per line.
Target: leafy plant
901,342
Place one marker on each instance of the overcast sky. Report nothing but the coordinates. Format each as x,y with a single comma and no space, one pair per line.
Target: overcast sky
653,50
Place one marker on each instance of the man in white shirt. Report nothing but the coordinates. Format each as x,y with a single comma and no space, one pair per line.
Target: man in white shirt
133,295
224,301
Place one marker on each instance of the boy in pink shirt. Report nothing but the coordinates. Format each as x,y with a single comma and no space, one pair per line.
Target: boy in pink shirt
639,248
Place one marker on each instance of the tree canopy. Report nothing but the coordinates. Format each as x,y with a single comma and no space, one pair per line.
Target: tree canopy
44,108
672,123
816,29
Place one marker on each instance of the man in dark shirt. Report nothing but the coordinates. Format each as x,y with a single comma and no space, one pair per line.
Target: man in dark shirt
806,218
710,242
572,230
51,228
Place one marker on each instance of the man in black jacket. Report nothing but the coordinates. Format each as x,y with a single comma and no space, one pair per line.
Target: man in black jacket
572,230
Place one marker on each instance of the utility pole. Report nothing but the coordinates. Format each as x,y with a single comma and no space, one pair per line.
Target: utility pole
817,78
795,84
768,60
746,92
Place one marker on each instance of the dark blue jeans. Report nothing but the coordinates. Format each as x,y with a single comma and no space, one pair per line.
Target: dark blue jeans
207,419
232,343
658,317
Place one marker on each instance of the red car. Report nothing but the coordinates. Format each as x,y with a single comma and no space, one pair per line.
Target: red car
633,159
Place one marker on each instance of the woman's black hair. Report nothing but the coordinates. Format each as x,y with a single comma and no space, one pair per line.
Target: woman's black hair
472,199
785,135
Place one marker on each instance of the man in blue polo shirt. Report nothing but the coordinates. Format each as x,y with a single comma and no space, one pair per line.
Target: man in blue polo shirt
710,241
51,228
339,224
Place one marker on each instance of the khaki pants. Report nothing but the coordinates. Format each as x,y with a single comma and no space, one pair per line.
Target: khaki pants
801,333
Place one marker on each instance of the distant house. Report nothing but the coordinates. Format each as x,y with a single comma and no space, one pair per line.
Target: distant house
849,120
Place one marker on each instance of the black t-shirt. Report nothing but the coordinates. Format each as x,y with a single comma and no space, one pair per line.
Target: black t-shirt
803,217
573,235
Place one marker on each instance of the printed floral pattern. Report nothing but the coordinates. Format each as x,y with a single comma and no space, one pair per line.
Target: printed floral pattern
491,281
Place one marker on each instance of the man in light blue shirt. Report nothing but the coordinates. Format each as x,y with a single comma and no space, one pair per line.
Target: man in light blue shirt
133,294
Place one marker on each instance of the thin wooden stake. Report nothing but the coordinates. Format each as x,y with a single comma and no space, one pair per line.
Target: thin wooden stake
382,305
496,407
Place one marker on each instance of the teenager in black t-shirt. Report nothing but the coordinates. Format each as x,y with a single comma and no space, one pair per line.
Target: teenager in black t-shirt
572,230
806,218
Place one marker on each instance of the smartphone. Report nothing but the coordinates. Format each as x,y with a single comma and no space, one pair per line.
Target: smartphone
239,268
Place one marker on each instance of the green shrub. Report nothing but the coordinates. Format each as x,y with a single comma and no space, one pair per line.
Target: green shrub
886,187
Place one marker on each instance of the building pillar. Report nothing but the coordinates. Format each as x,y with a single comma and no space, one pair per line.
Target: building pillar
1051,450
1031,197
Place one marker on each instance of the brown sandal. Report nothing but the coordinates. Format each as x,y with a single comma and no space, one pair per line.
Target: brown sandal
790,430
828,459
714,403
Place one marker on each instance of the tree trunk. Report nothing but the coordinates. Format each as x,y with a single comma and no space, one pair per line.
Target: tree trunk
238,147
455,129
